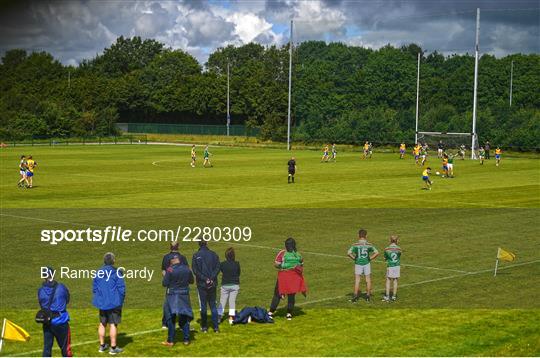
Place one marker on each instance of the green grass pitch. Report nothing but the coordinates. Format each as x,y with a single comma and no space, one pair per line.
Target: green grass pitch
449,302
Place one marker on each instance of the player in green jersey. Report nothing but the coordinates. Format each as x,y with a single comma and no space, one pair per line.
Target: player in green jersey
362,253
481,155
392,256
207,157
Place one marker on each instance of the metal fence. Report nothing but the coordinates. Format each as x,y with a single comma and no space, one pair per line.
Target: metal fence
200,129
37,141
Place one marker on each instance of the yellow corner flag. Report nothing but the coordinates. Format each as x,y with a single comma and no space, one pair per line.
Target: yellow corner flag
503,255
12,332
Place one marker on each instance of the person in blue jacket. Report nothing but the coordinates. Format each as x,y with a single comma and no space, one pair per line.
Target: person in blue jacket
205,264
177,279
109,291
54,297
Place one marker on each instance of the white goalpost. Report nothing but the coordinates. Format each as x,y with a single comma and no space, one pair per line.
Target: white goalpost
455,138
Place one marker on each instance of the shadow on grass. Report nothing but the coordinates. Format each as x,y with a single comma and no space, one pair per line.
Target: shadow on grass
123,340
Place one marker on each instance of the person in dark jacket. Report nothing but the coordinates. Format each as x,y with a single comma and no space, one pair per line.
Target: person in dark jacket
109,291
205,264
177,304
165,263
487,148
230,284
54,296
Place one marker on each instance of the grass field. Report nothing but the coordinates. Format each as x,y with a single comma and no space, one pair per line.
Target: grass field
449,302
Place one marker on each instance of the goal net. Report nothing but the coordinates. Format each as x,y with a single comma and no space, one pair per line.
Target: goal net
450,141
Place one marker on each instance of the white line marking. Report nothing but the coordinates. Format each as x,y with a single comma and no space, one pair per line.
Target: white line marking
134,334
425,281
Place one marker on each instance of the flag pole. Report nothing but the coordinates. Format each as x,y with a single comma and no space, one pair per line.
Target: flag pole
497,262
2,336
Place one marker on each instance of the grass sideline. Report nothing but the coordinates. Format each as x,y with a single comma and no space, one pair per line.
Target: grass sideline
449,302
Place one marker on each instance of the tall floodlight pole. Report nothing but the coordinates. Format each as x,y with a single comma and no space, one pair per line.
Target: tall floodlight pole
417,99
473,144
511,80
290,87
228,99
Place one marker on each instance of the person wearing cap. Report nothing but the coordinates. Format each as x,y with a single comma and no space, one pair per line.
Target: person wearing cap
109,291
54,296
165,264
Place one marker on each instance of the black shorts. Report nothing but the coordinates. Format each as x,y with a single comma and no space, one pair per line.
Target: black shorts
113,316
291,171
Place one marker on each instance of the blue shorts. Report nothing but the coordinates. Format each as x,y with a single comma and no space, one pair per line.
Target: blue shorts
497,156
29,174
402,151
445,167
425,178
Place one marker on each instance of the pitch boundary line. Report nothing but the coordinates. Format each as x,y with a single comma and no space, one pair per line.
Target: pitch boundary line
425,281
134,334
312,302
244,244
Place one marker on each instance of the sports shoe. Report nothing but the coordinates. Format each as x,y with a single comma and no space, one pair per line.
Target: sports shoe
103,348
167,344
394,298
204,330
164,327
186,343
115,350
354,299
289,317
270,314
368,298
385,299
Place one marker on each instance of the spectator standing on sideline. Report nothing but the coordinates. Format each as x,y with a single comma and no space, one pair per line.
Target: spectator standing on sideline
290,279
230,283
177,305
487,148
54,296
205,264
165,263
109,291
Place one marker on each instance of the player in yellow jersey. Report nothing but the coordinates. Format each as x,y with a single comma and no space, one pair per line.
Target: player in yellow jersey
31,165
425,178
416,153
445,166
498,152
366,150
325,154
402,148
193,156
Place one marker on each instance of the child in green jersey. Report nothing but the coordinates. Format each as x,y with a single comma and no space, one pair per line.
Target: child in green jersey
362,253
392,256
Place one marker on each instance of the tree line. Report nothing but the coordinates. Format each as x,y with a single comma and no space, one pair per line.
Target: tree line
341,93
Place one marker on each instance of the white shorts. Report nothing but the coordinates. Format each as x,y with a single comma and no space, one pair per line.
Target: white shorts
440,151
22,172
393,272
362,269
450,166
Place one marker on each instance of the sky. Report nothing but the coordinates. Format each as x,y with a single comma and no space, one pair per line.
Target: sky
73,30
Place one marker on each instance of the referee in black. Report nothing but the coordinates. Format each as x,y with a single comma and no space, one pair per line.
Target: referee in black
292,170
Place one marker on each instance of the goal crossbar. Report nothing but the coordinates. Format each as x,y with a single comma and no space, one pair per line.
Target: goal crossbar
446,133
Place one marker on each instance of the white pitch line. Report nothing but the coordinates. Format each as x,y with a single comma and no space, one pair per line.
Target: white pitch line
252,245
426,281
134,334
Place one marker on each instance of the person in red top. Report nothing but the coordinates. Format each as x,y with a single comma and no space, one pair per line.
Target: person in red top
290,277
